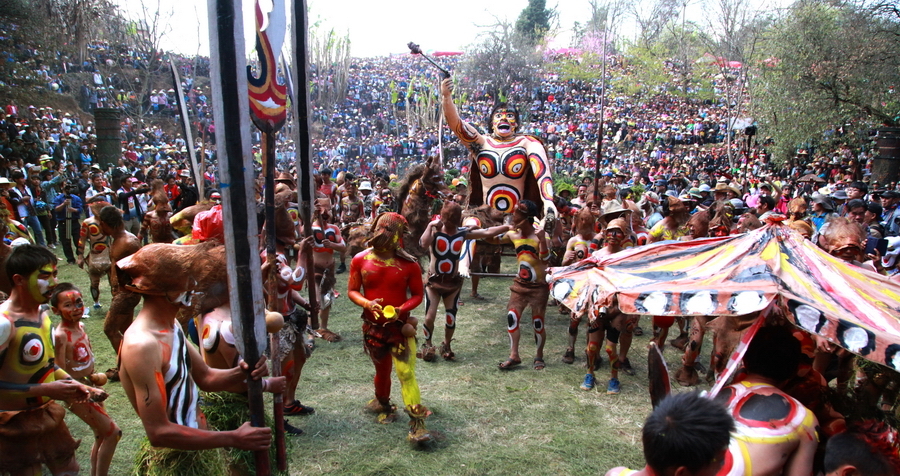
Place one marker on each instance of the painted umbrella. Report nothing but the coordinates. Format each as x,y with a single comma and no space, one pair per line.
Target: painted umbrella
739,276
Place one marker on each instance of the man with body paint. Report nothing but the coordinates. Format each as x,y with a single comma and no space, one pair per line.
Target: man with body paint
508,167
444,237
76,357
97,260
529,288
161,372
387,283
32,427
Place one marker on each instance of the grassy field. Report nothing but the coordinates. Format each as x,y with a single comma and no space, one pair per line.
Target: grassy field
486,421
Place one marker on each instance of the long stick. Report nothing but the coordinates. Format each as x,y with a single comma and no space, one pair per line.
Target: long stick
231,106
268,149
196,171
600,127
299,91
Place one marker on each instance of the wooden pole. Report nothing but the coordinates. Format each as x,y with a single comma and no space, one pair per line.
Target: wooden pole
299,92
231,107
196,171
600,127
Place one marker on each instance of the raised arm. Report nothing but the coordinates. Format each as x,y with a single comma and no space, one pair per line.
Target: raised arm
541,169
466,133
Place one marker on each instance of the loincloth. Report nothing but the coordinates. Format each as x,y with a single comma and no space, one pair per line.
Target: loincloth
292,332
380,340
98,263
328,284
445,284
531,294
36,436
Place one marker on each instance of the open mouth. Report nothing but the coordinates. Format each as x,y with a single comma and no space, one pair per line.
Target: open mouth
504,127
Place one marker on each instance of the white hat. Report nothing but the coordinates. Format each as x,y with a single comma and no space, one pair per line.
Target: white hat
365,185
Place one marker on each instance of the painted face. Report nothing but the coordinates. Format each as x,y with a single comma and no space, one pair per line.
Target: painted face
70,305
388,232
614,237
42,282
504,122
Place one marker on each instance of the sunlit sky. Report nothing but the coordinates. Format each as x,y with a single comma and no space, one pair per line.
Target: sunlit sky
376,28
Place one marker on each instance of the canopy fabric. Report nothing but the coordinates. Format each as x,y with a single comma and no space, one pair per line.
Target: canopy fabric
740,276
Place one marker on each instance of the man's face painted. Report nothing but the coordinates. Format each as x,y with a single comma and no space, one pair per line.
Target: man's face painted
42,282
70,305
504,123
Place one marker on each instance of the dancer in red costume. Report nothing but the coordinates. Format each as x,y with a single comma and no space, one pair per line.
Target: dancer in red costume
387,283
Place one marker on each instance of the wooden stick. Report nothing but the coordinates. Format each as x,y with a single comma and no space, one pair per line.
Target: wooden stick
231,108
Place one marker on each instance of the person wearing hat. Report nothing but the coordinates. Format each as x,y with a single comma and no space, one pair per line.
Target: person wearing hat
890,213
189,195
822,211
605,323
63,151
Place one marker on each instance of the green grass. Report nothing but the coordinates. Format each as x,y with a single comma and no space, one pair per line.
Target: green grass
486,421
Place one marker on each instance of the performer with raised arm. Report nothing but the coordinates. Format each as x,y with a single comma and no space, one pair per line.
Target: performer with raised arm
508,167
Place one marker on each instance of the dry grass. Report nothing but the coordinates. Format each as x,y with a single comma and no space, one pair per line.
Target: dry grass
486,421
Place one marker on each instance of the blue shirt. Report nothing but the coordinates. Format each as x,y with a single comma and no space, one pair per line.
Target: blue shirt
61,215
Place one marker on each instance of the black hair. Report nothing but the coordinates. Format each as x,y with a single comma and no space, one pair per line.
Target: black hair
685,430
111,216
531,208
17,175
502,106
851,448
768,201
773,353
861,186
61,288
856,203
26,259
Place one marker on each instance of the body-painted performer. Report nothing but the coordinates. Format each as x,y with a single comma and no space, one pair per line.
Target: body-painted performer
444,237
97,244
32,427
508,167
686,435
288,301
155,225
76,357
529,287
327,239
387,283
604,321
121,309
775,433
161,371
578,248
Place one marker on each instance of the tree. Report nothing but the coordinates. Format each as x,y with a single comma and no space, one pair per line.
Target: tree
535,20
503,58
735,30
329,66
829,65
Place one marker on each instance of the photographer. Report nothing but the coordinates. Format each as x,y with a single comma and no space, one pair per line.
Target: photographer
130,204
67,212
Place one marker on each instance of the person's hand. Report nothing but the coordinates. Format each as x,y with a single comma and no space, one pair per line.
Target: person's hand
275,384
447,87
66,390
259,371
326,243
80,262
252,438
374,307
436,224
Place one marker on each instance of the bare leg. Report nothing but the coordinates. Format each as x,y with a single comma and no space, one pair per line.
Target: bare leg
106,434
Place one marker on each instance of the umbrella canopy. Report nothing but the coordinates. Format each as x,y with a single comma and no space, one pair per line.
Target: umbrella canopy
739,276
810,178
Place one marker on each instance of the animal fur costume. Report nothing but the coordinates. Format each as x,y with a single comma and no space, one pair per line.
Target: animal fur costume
194,275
